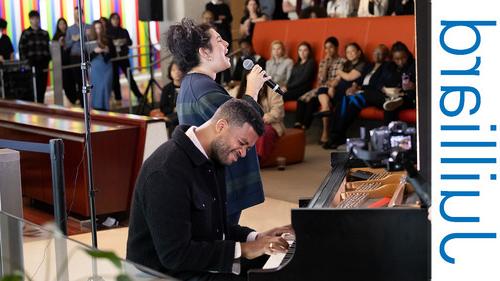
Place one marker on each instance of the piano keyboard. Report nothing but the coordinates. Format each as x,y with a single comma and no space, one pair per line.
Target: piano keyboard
276,260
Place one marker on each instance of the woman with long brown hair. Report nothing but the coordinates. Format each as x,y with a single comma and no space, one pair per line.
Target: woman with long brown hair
101,72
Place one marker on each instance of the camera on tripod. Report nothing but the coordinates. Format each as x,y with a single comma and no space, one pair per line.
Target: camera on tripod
395,148
387,146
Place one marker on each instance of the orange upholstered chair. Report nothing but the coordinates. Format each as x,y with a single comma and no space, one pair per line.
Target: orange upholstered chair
291,145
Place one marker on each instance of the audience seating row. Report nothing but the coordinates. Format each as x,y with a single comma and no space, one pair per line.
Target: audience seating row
367,32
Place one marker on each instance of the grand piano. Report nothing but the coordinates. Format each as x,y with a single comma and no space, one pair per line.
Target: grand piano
362,224
368,241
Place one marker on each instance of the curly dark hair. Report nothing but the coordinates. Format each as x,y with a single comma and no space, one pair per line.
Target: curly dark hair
184,40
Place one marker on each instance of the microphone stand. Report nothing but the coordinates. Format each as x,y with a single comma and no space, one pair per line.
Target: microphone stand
86,87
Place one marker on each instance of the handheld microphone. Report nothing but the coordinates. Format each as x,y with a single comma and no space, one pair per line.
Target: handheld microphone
248,65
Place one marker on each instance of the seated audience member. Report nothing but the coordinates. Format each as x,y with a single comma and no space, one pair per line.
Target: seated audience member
359,96
353,71
6,48
340,8
308,103
251,15
372,8
302,76
274,112
279,67
178,218
247,52
168,98
404,74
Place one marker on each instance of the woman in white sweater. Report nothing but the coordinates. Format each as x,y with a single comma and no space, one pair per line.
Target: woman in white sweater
279,67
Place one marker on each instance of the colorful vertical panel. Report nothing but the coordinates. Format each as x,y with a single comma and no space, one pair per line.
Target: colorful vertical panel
15,12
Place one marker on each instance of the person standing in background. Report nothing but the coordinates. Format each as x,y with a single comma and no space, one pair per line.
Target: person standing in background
401,7
267,7
121,40
6,48
222,22
101,75
372,8
340,8
222,19
34,47
251,15
67,75
72,44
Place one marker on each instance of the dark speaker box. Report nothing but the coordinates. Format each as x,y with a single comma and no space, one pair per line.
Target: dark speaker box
151,10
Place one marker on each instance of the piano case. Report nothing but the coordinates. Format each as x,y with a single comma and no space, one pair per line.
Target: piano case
389,244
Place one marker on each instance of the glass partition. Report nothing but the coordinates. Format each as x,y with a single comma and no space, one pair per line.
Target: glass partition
32,252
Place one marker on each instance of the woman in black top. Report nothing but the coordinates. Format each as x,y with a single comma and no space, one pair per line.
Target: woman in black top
251,15
121,40
361,95
404,77
302,76
168,98
69,85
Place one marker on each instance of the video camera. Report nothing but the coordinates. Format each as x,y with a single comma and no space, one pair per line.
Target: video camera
386,146
395,148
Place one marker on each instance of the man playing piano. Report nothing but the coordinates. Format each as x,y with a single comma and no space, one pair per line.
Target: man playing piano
178,222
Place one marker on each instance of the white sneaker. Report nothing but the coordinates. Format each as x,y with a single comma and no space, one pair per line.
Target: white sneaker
393,103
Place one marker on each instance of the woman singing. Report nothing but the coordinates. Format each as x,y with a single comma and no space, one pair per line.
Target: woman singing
201,53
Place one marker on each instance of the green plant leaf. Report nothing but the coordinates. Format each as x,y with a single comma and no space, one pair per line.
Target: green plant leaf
123,277
112,257
12,277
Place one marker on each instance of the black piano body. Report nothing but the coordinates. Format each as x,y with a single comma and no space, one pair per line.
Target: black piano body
354,244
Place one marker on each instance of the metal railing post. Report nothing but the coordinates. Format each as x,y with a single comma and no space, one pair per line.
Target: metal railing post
2,86
33,71
129,75
57,75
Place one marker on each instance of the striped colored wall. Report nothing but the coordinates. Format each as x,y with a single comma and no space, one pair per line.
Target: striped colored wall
15,12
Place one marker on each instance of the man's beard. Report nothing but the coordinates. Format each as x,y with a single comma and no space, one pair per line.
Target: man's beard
220,152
